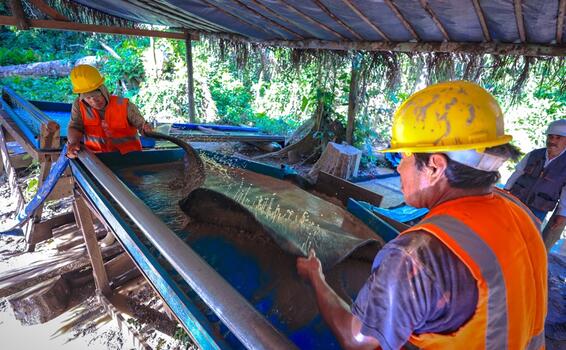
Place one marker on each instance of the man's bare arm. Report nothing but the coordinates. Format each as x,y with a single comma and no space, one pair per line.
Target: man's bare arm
335,311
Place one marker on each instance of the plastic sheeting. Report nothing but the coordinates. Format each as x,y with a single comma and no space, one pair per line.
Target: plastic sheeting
247,18
56,171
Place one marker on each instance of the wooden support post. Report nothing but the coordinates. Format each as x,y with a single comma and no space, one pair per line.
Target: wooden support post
190,83
353,98
82,213
15,191
19,14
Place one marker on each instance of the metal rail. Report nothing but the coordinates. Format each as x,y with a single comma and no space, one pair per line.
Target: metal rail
250,327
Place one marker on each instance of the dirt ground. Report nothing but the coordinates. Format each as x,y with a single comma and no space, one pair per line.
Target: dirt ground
85,324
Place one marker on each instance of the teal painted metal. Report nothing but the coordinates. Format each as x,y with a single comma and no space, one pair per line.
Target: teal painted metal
116,161
188,314
25,129
378,225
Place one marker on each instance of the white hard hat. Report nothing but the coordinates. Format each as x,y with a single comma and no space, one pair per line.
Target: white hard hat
557,127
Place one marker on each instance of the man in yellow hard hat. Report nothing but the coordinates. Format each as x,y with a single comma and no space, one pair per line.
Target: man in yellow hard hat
104,122
472,273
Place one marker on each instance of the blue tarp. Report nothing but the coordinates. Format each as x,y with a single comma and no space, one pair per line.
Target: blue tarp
404,213
555,326
56,171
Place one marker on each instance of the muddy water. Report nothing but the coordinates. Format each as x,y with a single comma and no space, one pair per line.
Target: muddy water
251,227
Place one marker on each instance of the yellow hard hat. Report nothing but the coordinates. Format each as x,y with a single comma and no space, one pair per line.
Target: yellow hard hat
445,117
85,78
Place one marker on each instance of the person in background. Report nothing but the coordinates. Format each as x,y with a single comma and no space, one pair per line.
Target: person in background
104,122
473,273
539,181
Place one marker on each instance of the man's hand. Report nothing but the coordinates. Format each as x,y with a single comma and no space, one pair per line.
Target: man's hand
73,150
146,128
310,267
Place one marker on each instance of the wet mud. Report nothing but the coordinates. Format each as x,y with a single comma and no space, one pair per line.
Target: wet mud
251,228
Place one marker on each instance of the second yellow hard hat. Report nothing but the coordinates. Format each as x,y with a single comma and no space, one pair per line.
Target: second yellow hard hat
450,116
85,78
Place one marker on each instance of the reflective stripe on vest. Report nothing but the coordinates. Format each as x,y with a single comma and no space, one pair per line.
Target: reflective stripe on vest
483,255
537,342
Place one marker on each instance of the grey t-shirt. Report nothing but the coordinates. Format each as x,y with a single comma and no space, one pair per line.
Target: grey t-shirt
417,286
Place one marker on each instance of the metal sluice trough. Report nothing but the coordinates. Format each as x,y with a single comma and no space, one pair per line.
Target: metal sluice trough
227,287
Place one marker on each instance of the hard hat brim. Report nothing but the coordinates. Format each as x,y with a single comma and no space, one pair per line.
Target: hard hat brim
501,140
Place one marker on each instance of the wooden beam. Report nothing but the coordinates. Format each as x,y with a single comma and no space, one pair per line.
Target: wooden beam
560,21
365,19
335,18
48,10
448,47
312,20
15,191
481,18
240,3
344,189
86,225
428,9
399,15
286,20
353,98
81,27
190,79
18,12
519,19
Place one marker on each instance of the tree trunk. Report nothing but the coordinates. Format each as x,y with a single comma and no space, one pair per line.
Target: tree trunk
339,160
57,68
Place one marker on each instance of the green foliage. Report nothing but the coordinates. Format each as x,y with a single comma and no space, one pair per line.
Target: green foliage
183,337
41,88
10,56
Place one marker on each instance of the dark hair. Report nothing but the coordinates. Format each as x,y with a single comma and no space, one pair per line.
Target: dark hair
463,176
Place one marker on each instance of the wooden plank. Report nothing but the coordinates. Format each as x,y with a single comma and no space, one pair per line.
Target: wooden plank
338,20
12,129
366,20
399,15
24,277
481,18
19,15
15,191
343,189
560,21
87,227
428,9
81,27
48,10
44,230
519,20
49,136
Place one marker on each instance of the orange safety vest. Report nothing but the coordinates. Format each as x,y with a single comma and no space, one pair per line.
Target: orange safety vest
498,239
114,133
